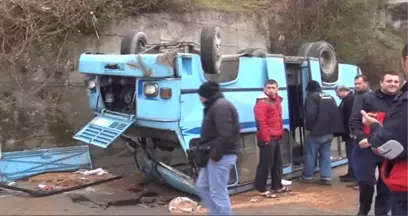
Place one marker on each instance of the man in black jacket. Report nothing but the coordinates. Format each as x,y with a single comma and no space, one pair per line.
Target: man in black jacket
220,130
345,107
361,87
320,111
377,103
394,128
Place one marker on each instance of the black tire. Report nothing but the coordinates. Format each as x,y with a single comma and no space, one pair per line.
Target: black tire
326,54
253,52
133,42
304,49
211,50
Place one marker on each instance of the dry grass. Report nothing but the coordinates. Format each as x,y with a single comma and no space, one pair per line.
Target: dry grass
238,5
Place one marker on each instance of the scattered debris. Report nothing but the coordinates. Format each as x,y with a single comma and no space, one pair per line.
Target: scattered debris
45,187
98,172
286,182
53,183
182,204
66,180
253,200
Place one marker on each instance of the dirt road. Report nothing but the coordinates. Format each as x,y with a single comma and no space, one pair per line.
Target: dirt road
122,194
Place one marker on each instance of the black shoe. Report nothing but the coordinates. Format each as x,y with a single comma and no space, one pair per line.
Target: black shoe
346,178
325,182
354,184
302,179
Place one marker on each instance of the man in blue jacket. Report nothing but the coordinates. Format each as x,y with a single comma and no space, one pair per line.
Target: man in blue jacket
394,128
377,103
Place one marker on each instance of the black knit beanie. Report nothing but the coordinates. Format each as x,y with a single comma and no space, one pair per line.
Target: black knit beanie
209,89
313,86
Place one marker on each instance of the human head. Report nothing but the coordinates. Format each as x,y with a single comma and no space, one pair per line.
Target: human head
390,82
360,83
208,90
342,91
404,60
271,88
313,86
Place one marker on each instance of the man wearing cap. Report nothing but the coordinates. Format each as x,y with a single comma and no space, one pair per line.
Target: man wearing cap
320,111
345,107
220,131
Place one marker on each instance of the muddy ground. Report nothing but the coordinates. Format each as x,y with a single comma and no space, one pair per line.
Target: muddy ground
123,196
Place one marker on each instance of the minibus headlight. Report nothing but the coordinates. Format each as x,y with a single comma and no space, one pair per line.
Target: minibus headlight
151,89
91,83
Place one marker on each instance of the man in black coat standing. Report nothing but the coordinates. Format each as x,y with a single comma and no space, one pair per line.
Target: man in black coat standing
220,131
346,107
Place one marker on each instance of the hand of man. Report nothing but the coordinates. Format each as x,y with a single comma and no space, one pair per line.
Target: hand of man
367,118
364,143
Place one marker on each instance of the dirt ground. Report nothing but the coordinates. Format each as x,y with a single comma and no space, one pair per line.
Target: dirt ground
133,195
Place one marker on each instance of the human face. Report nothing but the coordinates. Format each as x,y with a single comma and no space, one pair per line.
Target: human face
271,89
341,94
390,84
360,85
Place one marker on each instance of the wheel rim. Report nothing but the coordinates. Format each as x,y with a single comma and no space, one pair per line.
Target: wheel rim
218,51
325,62
140,45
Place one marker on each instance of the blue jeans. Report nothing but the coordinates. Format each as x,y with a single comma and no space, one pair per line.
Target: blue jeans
321,145
212,185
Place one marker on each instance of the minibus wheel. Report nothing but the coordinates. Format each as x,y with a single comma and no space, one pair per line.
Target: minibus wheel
326,54
253,52
133,42
211,49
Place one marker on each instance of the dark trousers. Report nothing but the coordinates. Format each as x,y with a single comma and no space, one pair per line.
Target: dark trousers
399,203
382,201
349,152
270,161
366,162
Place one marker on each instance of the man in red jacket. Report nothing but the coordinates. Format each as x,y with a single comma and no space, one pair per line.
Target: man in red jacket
268,116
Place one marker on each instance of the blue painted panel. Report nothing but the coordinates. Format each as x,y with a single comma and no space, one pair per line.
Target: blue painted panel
104,129
347,73
176,179
145,65
252,75
21,164
315,70
276,70
157,108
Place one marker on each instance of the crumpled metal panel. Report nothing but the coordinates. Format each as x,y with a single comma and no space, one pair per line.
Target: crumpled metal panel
105,128
21,164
